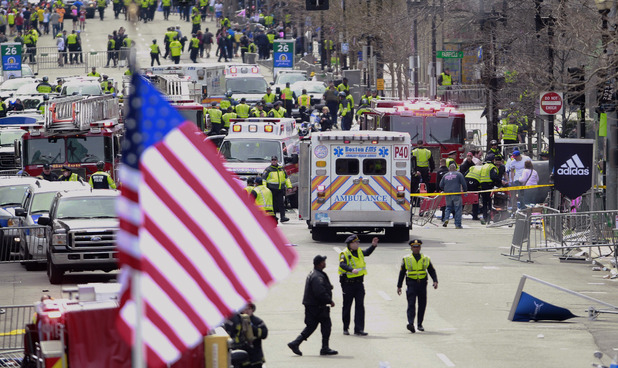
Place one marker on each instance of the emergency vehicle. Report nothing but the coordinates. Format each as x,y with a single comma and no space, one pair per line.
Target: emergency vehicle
212,82
80,331
77,132
439,125
355,182
252,142
178,92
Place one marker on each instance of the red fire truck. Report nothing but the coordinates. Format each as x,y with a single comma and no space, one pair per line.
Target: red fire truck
77,132
439,125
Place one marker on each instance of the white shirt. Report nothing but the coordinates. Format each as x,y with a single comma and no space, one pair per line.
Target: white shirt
531,177
60,43
515,168
218,7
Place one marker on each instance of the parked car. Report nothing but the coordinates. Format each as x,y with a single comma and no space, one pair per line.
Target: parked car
82,232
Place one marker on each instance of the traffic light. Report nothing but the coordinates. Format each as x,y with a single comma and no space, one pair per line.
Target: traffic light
316,4
577,86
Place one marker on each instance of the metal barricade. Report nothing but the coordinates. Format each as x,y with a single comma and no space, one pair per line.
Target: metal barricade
427,207
51,58
24,244
565,232
13,321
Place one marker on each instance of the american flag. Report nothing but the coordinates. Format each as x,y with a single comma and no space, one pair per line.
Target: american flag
202,248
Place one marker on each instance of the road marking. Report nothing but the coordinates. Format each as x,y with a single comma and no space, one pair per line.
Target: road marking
445,360
596,283
491,268
384,295
593,292
337,249
449,243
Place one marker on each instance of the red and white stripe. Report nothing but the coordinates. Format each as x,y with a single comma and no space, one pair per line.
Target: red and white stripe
203,248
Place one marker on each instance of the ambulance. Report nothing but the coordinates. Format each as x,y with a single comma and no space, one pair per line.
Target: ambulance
356,181
252,142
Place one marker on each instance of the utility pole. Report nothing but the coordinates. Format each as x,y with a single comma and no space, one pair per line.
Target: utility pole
322,43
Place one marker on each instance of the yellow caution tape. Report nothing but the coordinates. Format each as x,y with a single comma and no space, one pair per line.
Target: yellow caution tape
505,189
13,333
600,187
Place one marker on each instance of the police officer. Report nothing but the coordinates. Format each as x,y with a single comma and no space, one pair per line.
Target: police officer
112,54
263,198
489,178
47,174
288,97
242,109
279,111
175,50
494,149
277,181
451,159
345,111
510,131
229,114
101,179
473,177
107,85
422,162
68,175
215,118
94,73
194,47
250,184
414,268
227,101
155,51
269,97
304,100
58,87
352,270
258,110
317,299
44,86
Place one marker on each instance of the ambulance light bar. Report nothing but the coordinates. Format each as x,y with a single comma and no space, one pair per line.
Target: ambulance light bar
252,128
236,128
361,137
268,128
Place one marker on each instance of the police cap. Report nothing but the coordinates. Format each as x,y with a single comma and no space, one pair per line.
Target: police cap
351,238
415,242
66,168
493,142
46,166
452,152
274,158
318,259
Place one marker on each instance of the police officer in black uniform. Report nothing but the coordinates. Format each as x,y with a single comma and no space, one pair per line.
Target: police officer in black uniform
47,174
415,268
352,271
101,179
318,299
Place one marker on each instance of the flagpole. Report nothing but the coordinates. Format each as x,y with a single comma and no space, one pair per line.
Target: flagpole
138,350
139,358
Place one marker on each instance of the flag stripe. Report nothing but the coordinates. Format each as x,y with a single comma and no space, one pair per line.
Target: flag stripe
169,245
195,229
171,290
162,325
223,216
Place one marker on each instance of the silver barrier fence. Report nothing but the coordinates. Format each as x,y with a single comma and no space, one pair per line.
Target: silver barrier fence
51,58
13,321
564,232
24,244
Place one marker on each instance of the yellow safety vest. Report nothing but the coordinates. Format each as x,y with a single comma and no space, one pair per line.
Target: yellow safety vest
474,173
154,49
72,39
224,104
486,172
226,118
509,132
287,94
304,100
175,48
354,262
278,178
422,156
264,199
243,110
269,98
215,115
446,79
416,270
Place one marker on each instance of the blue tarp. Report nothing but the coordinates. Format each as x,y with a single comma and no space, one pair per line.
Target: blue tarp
530,308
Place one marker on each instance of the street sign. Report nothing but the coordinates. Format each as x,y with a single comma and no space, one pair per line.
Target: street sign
11,59
380,84
283,56
449,54
551,103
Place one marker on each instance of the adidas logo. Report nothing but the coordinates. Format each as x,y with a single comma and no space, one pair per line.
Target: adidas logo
573,166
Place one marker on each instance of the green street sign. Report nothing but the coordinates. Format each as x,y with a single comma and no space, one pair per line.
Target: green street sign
449,54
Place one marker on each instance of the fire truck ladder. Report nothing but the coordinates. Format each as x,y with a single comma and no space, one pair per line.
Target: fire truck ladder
76,112
174,87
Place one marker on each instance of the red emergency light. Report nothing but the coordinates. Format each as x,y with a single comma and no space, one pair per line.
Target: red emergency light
236,128
268,128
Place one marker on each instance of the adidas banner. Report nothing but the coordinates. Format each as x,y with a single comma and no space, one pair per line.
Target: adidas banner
573,166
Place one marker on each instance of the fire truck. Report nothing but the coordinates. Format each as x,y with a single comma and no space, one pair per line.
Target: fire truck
178,92
80,331
77,132
439,125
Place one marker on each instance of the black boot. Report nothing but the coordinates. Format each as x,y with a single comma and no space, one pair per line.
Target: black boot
325,349
295,344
